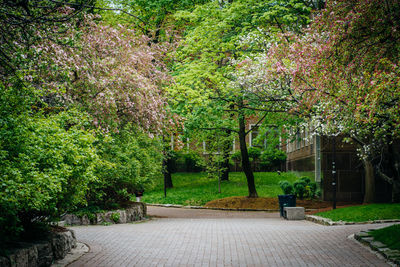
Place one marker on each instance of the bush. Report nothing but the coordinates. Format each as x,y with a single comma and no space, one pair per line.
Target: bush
254,153
286,187
46,164
302,188
236,156
299,188
115,217
272,159
188,161
130,161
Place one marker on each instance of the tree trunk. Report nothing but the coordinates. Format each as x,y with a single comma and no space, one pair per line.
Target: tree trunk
394,161
167,172
369,196
396,192
225,171
245,157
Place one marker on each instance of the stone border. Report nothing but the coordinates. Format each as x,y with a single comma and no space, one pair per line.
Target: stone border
73,255
206,208
329,222
41,253
366,239
136,212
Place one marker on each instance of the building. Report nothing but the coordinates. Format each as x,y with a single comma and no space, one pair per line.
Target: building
315,155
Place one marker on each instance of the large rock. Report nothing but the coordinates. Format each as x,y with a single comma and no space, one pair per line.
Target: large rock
45,254
72,219
62,243
24,257
42,253
4,261
136,212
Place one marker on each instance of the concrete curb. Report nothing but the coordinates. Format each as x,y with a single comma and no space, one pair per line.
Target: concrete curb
329,222
391,255
206,208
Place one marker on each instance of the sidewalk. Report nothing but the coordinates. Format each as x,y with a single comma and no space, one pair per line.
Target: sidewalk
184,237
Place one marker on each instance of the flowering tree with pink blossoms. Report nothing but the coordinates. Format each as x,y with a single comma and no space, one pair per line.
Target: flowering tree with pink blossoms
114,73
343,73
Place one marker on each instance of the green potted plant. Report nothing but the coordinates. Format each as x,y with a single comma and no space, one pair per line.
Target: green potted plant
288,199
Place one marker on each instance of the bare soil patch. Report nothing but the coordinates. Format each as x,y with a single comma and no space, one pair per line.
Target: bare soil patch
263,203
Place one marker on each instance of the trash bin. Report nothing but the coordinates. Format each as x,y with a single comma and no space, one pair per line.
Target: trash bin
286,201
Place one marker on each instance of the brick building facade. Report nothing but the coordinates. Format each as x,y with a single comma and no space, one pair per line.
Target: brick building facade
315,155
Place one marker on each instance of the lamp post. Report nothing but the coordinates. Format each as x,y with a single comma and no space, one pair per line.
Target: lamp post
334,174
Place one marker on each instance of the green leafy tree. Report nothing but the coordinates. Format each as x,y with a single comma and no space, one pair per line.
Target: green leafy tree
217,36
344,72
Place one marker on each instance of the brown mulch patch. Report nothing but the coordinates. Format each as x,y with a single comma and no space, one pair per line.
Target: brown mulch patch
271,203
58,229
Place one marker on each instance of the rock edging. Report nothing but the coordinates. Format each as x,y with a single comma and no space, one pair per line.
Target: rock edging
391,255
136,212
213,208
329,222
206,208
42,253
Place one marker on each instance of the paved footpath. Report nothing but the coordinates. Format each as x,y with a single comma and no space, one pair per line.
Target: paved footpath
186,237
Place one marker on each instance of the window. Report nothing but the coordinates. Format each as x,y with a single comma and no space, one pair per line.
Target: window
253,135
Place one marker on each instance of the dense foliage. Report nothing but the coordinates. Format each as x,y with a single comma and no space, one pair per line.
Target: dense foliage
47,162
342,74
81,104
88,103
130,162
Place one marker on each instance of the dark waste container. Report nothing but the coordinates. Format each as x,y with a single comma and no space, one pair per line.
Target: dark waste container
286,201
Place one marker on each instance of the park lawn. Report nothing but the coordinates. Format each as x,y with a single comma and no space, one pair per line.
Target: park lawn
390,236
363,213
196,189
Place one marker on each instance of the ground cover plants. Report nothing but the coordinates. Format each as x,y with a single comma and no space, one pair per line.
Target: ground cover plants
363,213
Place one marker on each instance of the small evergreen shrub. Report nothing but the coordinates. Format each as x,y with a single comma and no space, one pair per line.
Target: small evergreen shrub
286,187
115,217
300,188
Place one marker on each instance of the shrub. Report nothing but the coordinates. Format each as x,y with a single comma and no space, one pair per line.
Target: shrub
188,161
299,188
272,159
46,164
115,217
305,179
237,156
312,186
130,161
286,187
193,162
254,153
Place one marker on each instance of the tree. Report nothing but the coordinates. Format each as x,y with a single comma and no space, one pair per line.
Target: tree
345,72
25,23
72,81
152,17
113,73
215,37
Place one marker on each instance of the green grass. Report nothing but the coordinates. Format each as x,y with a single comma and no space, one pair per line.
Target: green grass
196,189
364,213
390,236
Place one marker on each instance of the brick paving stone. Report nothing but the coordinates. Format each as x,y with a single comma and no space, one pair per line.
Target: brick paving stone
185,237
